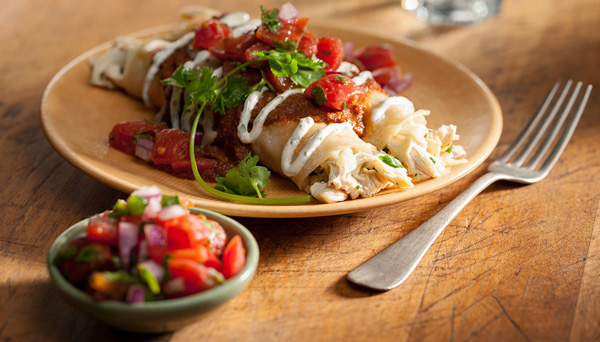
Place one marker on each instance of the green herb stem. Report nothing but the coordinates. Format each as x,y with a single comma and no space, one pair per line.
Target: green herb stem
224,195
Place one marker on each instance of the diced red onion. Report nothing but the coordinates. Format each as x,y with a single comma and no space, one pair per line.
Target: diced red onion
152,208
128,239
155,235
401,84
333,72
198,138
148,192
143,153
157,270
171,212
288,12
145,142
349,49
174,286
142,250
136,294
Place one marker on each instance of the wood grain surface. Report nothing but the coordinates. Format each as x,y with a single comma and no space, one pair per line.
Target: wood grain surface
520,263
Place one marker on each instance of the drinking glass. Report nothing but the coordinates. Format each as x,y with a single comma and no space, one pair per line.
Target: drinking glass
452,12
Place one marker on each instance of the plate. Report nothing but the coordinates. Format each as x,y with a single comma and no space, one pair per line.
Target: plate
77,117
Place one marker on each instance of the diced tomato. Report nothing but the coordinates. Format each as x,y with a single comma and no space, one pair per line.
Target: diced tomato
386,75
158,254
196,277
103,229
308,44
290,31
375,57
199,254
170,146
214,263
210,33
334,91
233,49
234,257
280,83
217,237
137,220
187,231
204,164
331,51
99,256
258,46
123,135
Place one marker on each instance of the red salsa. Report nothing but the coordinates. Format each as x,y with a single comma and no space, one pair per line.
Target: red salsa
150,247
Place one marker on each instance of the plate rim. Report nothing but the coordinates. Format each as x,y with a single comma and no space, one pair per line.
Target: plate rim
311,209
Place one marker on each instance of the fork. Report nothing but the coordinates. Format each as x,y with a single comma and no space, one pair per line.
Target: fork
393,265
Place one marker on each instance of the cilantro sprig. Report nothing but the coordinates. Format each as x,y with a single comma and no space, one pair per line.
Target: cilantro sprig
205,89
270,19
301,69
245,179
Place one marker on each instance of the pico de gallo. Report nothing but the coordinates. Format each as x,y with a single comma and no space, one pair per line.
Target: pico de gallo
149,247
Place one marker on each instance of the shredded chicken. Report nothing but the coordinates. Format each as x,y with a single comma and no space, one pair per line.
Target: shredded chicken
356,175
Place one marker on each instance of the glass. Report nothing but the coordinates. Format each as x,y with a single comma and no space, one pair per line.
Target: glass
452,12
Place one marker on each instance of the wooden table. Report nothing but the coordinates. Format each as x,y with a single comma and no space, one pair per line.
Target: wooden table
520,263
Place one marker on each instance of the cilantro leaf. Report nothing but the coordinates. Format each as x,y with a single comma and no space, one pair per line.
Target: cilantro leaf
88,254
233,94
286,46
449,149
204,89
246,179
270,19
304,78
64,254
201,87
180,78
299,68
318,94
137,136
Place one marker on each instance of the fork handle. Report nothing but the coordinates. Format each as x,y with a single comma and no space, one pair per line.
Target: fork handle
390,267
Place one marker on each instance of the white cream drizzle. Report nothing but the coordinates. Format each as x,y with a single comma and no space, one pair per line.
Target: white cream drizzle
247,27
404,104
218,72
251,101
158,59
362,77
175,106
235,18
207,122
348,68
290,168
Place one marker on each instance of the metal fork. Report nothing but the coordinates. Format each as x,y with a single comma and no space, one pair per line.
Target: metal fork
393,265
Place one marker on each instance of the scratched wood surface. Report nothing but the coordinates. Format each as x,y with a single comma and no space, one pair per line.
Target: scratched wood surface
520,263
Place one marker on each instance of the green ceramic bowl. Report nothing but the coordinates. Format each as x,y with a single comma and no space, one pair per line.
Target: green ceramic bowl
160,316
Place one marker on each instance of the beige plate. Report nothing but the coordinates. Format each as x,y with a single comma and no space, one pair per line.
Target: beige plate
77,118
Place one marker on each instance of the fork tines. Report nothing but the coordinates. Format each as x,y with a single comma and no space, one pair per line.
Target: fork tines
545,118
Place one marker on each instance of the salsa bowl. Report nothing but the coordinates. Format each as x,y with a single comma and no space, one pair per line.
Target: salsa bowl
164,315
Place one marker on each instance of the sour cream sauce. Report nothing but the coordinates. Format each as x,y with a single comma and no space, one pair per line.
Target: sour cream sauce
158,59
290,168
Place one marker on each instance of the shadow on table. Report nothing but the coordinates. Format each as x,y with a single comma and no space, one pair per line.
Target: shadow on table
40,314
347,289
